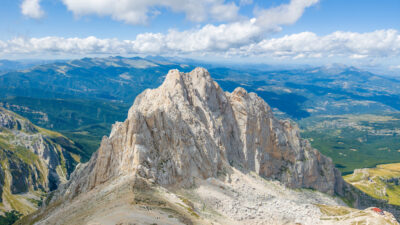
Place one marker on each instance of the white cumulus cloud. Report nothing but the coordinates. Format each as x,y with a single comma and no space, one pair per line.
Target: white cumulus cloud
284,14
223,37
138,11
31,8
209,38
379,44
245,37
394,67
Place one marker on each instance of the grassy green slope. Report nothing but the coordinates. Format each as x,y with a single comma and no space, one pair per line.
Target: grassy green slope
381,182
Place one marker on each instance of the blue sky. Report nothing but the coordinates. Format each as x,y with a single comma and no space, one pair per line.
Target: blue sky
363,33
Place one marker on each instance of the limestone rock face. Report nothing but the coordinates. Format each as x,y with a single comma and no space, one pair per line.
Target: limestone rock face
275,150
190,128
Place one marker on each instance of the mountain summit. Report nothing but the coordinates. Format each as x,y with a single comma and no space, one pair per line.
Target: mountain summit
189,138
189,128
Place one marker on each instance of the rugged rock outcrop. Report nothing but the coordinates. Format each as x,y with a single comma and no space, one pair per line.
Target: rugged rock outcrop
189,128
13,122
32,160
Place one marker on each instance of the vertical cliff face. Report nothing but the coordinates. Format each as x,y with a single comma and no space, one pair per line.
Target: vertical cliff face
32,160
275,150
189,128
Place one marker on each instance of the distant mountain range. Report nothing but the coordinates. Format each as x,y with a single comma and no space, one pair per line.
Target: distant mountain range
12,65
116,78
298,93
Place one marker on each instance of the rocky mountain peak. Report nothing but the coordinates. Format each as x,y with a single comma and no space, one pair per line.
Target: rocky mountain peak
190,153
240,92
195,88
188,129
